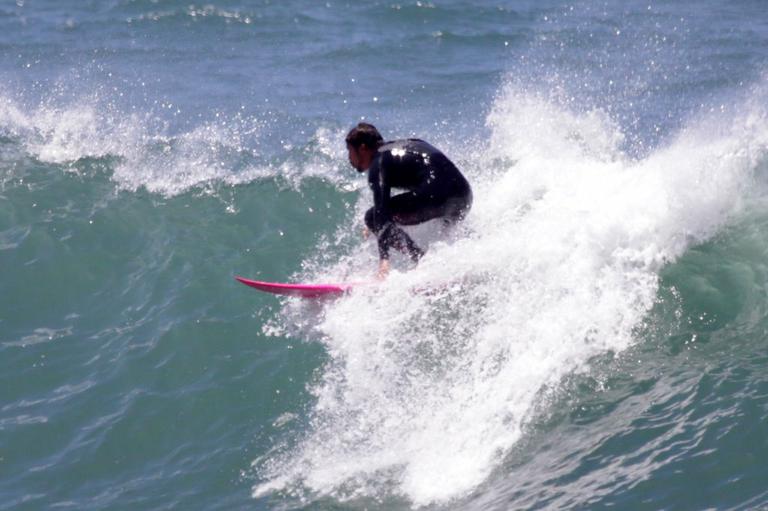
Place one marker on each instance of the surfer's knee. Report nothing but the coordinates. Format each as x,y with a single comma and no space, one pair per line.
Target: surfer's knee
369,220
457,209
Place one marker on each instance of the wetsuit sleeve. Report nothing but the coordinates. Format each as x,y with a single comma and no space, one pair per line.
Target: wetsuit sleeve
381,190
386,230
381,193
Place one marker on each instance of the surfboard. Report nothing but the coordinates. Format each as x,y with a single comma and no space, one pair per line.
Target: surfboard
302,290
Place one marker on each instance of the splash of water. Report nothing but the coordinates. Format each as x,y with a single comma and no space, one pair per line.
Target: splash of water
425,393
146,155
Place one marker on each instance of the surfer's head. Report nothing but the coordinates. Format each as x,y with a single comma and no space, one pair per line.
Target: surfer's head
362,143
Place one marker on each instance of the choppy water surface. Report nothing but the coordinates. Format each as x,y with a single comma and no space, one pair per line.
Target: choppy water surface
593,336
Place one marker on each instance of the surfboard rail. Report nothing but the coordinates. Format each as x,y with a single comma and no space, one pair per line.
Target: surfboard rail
297,289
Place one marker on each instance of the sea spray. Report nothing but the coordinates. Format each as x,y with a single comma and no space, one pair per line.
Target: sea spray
143,152
425,393
136,372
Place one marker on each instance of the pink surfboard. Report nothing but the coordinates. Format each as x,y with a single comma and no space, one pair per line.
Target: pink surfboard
302,290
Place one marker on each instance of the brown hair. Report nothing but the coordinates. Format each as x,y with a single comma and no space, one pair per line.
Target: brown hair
364,134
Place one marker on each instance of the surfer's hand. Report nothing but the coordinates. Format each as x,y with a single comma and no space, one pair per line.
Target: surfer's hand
383,269
366,232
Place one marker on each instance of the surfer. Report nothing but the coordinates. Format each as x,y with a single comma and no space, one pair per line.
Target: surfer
435,188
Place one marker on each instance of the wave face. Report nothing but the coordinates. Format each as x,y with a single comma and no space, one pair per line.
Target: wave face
592,336
426,392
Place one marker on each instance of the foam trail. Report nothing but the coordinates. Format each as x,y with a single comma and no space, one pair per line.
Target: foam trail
425,393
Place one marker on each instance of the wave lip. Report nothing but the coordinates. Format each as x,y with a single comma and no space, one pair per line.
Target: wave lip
142,153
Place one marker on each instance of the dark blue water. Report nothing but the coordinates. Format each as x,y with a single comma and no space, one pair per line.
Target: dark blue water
594,336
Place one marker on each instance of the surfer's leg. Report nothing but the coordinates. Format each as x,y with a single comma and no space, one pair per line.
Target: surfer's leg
369,220
396,237
422,205
456,208
432,202
413,208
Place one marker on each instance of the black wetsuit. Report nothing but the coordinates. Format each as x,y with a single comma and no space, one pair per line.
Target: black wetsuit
436,189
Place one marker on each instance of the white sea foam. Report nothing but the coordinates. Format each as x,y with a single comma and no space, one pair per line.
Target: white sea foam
426,392
147,156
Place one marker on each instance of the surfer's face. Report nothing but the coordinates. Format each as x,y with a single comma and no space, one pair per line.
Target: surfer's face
356,158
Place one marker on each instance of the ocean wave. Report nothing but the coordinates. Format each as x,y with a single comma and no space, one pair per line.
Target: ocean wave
425,394
225,151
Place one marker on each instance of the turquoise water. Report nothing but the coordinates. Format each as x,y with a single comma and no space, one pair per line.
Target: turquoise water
593,336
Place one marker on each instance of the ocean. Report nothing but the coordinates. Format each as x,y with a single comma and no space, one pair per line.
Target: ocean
592,336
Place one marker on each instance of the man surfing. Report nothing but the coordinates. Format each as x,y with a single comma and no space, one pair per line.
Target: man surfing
435,188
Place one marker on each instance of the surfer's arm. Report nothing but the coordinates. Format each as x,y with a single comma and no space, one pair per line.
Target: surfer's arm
387,232
383,225
383,269
377,179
